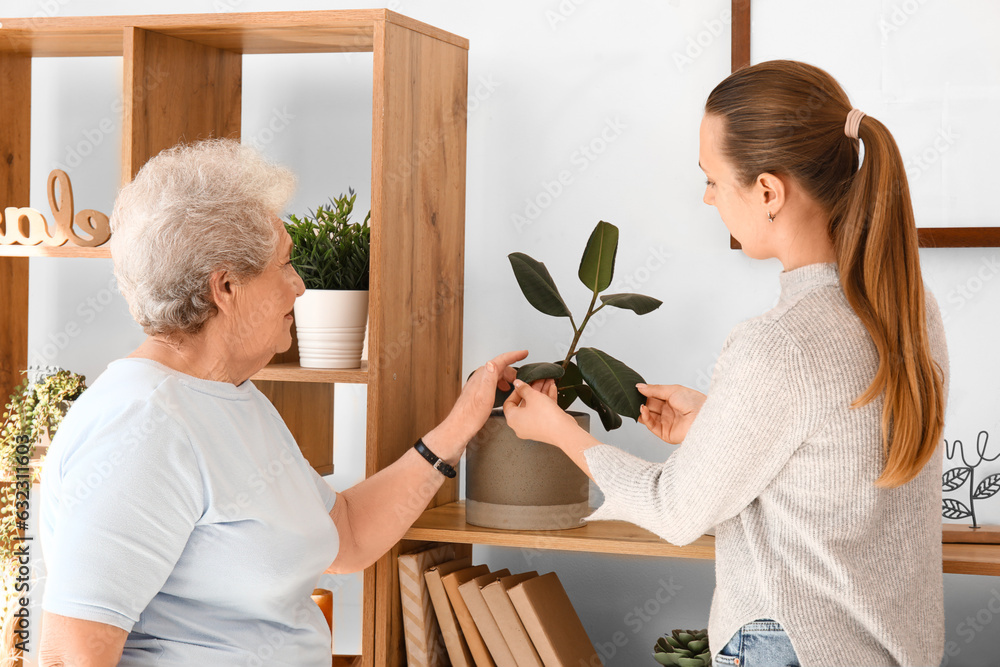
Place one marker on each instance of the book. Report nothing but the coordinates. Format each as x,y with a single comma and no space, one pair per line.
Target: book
480,654
483,618
454,641
421,631
518,641
552,623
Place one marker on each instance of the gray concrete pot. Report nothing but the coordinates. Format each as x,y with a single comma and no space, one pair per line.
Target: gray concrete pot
522,484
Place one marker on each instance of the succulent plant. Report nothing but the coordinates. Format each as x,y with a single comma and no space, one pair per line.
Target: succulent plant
600,381
684,648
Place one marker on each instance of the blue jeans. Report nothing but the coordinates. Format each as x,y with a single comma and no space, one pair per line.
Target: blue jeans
760,643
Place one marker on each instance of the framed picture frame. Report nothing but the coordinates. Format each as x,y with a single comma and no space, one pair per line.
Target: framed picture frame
929,237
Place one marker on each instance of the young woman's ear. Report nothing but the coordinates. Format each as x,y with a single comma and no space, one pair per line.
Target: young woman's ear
772,192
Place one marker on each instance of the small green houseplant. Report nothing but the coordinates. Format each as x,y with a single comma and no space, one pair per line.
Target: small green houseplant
683,648
523,485
601,381
329,251
32,416
332,256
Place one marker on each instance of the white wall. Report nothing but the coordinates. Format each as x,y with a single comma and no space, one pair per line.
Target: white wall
546,80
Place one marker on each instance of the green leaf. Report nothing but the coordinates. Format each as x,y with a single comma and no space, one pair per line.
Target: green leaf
697,645
637,303
597,267
539,371
537,285
328,251
500,396
987,487
955,478
954,509
609,418
669,659
569,386
612,381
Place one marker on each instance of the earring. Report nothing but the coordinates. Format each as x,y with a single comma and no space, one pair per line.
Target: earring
770,218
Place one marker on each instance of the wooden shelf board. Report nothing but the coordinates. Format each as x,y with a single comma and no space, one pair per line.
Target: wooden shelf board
447,524
50,251
292,372
971,558
322,31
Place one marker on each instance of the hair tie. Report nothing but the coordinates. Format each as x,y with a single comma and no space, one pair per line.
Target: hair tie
854,117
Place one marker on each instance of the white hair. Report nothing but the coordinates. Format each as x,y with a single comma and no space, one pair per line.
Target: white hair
190,211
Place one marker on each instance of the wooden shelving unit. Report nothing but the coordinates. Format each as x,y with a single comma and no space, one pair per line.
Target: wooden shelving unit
418,216
420,76
446,523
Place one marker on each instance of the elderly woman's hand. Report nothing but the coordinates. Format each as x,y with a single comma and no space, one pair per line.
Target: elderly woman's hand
473,407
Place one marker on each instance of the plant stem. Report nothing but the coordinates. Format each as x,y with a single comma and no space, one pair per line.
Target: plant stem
972,486
579,332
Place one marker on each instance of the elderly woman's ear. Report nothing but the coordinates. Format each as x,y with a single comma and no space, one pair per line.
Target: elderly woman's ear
221,286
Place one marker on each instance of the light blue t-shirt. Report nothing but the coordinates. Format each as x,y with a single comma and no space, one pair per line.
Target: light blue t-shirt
181,510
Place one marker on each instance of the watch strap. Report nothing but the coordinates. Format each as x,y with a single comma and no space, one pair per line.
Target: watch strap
437,462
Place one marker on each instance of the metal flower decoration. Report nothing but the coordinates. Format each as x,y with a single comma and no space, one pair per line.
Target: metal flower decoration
956,477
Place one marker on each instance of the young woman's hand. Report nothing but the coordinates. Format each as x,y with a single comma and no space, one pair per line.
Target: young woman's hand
670,409
534,414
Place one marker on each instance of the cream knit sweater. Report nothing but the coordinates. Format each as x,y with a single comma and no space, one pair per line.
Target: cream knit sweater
783,468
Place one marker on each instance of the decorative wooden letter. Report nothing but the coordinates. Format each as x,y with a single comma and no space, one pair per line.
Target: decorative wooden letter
26,226
94,223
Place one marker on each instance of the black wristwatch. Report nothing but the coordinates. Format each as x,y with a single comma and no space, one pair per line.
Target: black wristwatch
439,464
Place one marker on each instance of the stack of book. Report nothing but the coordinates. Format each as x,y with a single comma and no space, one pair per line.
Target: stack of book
460,614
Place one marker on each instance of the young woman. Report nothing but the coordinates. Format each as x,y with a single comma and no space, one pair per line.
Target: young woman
815,453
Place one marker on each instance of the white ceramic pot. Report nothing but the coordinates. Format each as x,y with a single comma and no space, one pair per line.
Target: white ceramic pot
330,327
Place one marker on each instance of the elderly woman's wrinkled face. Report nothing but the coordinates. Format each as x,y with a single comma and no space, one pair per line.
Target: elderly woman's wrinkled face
264,304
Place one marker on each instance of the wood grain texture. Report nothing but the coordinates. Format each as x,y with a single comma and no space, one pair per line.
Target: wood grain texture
15,153
740,51
307,409
175,90
54,251
928,237
347,661
258,32
959,237
292,372
447,524
971,559
417,274
944,237
964,534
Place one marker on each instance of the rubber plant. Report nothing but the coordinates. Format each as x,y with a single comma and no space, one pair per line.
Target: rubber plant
600,381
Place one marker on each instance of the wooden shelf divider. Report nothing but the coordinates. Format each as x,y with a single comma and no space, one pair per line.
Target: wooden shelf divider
59,251
290,371
447,524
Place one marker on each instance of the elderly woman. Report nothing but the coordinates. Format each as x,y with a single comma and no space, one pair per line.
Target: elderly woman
167,536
